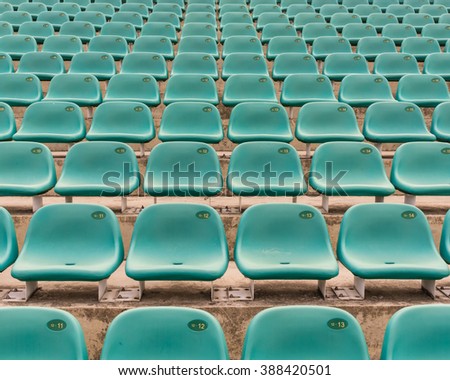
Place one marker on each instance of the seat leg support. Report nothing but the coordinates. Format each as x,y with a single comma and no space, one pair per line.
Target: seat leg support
360,286
429,287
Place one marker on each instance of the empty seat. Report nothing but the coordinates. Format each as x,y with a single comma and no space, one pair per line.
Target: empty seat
324,46
121,29
303,18
199,29
39,30
354,32
85,31
198,44
244,63
398,32
338,65
195,63
200,17
53,250
418,21
54,18
271,18
294,9
158,29
271,31
299,89
363,167
304,333
198,7
191,88
437,64
132,18
174,333
416,4
6,29
420,47
371,47
248,88
191,121
236,17
263,8
236,29
240,44
101,65
441,122
434,10
285,44
257,157
42,64
8,240
402,341
7,122
329,10
71,9
260,121
340,20
133,87
183,168
286,64
237,7
444,246
17,45
136,7
440,32
166,17
425,90
168,6
311,31
255,3
64,45
38,333
365,10
295,239
104,8
154,44
15,18
379,20
389,241
393,66
399,10
97,19
33,9
363,90
20,90
421,168
145,63
115,45
52,122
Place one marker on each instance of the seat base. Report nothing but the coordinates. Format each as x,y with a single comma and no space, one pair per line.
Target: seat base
21,294
326,201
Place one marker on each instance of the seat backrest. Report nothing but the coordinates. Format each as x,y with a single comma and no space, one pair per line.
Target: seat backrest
8,240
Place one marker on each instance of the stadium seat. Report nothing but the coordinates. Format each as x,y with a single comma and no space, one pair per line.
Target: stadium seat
115,45
174,333
304,18
298,248
51,122
248,88
271,18
39,30
85,31
260,121
195,63
154,44
420,47
166,17
64,45
317,4
8,241
236,30
38,333
244,63
444,246
240,44
421,168
416,4
311,31
26,169
383,4
304,333
441,122
329,10
399,10
191,88
285,44
71,9
199,29
351,4
7,122
324,46
338,65
132,18
364,10
237,7
271,31
133,88
183,168
147,3
145,63
284,4
393,66
299,89
264,8
354,32
168,7
15,18
363,90
56,19
42,64
363,167
340,20
379,20
398,32
53,250
444,19
389,241
418,20
440,32
7,7
33,9
6,64
158,29
19,90
286,64
326,121
6,29
97,19
17,45
198,44
259,157
16,3
425,90
403,341
200,17
294,9
101,7
434,10
371,47
236,17
49,3
191,121
120,29
395,122
254,3
83,3
136,7
101,65
198,7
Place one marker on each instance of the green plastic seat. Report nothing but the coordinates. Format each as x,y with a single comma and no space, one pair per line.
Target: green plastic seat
173,333
8,240
145,63
318,4
6,7
191,88
260,121
371,47
416,4
327,121
100,65
259,9
84,3
81,89
52,122
440,32
7,122
115,3
38,333
434,10
286,64
20,90
115,172
244,64
39,30
444,246
339,20
236,17
445,3
16,3
133,88
166,17
180,4
85,31
329,10
53,250
237,7
284,4
106,9
389,241
198,7
195,63
285,44
271,18
183,168
444,19
324,46
133,18
403,341
97,19
311,31
354,32
121,29
364,90
15,18
49,3
42,64
441,122
394,66
33,9
379,20
6,29
240,44
383,4
364,10
69,8
241,88
304,333
250,161
154,44
303,18
147,3
338,65
17,45
351,4
115,45
418,20
299,89
420,47
254,3
26,169
198,44
200,17
158,29
271,31
64,45
54,18
136,7
223,3
395,122
199,29
128,122
399,10
191,121
295,248
421,168
398,32
236,29
425,90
